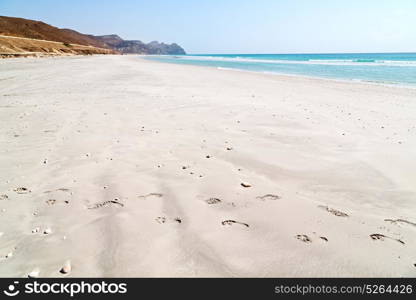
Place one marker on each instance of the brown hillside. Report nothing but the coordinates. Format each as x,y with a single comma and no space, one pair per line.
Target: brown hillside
35,30
38,30
22,47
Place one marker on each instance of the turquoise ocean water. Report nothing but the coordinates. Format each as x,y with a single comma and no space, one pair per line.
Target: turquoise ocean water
384,68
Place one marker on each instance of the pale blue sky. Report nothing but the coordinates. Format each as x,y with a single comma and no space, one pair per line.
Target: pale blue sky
238,26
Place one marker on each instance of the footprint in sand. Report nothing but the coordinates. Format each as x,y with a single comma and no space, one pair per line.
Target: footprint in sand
161,220
51,202
64,190
217,201
212,201
22,190
232,222
58,190
269,197
381,237
304,238
333,211
114,202
156,195
400,221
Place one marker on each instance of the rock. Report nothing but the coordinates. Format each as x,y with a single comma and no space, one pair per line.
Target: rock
9,255
36,230
34,273
66,268
245,184
4,197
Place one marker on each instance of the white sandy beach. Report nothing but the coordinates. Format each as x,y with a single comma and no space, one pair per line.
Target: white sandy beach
135,168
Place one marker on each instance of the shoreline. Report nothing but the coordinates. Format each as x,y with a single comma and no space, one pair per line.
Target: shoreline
283,75
144,56
391,84
398,85
171,170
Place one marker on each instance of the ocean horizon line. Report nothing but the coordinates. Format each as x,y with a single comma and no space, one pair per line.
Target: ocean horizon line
301,53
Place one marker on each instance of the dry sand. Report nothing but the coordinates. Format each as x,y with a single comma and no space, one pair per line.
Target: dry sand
135,168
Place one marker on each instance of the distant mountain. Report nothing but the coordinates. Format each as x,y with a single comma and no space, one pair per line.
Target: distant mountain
128,47
162,48
110,41
18,27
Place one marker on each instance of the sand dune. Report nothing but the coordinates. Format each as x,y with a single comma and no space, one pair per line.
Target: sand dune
117,166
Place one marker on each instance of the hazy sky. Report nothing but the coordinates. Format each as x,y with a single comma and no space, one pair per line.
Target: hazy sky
238,26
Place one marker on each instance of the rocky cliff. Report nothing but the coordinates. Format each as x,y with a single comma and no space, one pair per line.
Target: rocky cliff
128,47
